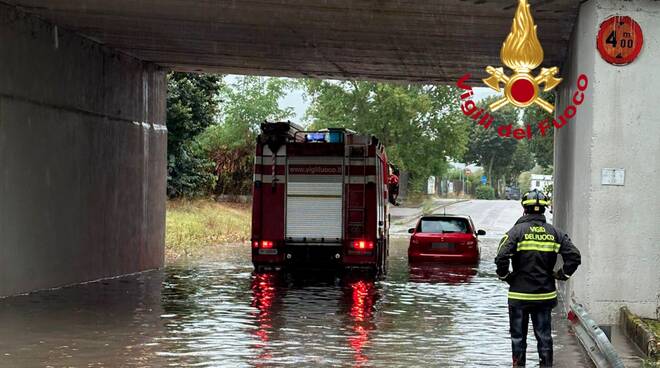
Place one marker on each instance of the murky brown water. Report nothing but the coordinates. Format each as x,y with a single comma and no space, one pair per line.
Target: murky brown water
219,314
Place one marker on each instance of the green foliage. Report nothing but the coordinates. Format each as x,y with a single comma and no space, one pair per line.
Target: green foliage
251,100
189,173
420,126
650,363
211,147
540,170
487,149
502,158
541,147
522,160
192,104
485,192
455,174
231,150
524,181
476,175
549,189
474,179
230,144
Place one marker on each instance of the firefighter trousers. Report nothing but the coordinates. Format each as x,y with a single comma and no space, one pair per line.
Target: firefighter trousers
542,323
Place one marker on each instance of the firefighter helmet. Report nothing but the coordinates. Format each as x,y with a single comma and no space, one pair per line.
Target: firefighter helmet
535,200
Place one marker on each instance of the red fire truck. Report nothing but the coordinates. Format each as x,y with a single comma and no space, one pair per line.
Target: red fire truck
319,198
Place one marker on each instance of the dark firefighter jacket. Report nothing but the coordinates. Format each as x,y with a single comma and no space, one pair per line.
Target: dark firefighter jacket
532,246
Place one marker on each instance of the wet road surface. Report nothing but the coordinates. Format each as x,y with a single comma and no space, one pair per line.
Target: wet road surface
219,313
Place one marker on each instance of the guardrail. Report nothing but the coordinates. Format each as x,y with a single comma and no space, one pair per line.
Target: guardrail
594,340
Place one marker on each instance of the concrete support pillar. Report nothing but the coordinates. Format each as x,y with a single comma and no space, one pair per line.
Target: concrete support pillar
82,158
617,228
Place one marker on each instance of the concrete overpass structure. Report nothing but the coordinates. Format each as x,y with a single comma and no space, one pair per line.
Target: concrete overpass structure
83,137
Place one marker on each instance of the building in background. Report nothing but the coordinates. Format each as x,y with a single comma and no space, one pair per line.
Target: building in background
540,182
430,185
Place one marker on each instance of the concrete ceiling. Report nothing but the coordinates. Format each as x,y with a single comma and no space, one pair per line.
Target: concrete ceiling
405,40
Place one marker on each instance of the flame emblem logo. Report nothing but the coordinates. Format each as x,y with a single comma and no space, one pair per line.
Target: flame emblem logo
522,53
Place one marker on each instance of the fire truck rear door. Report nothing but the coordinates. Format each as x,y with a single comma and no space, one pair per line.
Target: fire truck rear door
314,204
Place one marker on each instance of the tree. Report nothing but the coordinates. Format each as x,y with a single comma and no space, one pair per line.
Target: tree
502,157
525,181
541,146
420,126
230,143
488,149
192,105
522,160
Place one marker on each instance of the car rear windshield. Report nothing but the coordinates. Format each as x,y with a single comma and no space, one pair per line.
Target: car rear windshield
444,225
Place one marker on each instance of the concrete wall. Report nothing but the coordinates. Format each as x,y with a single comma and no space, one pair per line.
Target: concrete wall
82,158
617,228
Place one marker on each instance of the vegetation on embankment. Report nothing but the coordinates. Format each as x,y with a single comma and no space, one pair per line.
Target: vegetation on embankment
414,199
195,226
654,324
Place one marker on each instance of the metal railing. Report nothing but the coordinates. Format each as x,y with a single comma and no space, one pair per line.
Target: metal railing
593,339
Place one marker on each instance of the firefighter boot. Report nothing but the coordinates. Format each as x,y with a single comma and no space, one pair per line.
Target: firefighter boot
518,359
545,358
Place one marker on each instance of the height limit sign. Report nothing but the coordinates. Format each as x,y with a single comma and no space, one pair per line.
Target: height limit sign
619,40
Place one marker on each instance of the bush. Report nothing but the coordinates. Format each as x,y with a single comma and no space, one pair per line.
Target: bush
485,192
231,148
189,174
192,105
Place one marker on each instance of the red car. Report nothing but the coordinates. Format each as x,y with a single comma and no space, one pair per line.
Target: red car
444,238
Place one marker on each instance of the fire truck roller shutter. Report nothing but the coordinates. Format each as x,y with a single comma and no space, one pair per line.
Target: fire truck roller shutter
314,207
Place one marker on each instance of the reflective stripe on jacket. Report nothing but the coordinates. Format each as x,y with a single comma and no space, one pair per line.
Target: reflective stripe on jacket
531,246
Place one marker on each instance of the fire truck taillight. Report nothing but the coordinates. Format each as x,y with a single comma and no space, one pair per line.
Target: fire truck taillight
264,244
363,245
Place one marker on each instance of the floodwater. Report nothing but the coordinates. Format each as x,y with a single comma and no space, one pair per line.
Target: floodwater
219,313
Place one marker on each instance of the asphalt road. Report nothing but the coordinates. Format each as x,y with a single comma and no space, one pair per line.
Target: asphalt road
496,217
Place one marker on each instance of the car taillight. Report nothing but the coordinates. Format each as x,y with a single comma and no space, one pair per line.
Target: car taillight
363,245
264,244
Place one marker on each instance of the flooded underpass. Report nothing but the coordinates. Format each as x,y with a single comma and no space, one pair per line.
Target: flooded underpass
219,313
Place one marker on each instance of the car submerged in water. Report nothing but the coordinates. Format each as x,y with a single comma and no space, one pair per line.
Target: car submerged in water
444,239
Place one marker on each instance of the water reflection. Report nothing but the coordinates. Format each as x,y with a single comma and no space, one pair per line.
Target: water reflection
107,323
222,314
442,273
263,295
297,308
363,296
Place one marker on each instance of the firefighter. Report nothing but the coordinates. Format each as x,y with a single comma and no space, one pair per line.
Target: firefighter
532,246
393,185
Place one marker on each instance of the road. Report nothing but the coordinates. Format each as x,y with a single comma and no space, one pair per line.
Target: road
495,217
218,313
